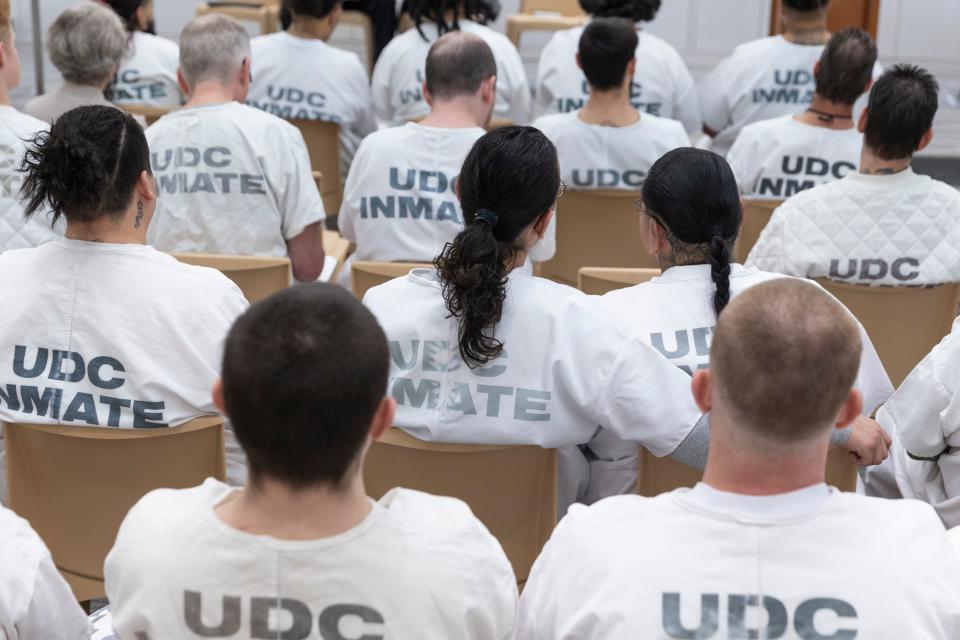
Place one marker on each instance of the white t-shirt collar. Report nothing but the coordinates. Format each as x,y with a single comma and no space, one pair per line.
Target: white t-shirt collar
700,272
772,509
884,181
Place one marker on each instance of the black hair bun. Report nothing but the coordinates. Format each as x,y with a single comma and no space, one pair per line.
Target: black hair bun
806,5
633,10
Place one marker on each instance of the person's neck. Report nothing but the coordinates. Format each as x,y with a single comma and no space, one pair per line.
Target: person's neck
609,108
273,509
808,31
871,164
827,114
454,114
310,28
109,231
4,95
209,93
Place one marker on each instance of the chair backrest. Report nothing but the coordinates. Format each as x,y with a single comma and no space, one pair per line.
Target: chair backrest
756,215
600,228
596,281
904,323
323,144
75,484
257,276
366,275
266,17
499,123
563,7
365,24
337,247
511,489
149,114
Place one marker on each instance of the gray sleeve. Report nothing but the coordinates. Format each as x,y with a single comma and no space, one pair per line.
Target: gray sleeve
839,437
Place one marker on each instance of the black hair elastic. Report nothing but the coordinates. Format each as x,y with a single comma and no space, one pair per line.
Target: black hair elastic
485,215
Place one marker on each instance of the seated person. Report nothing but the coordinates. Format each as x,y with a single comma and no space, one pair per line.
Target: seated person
690,216
106,331
690,563
883,225
148,73
779,157
232,179
16,230
482,352
302,543
608,144
36,603
660,84
398,76
331,84
86,43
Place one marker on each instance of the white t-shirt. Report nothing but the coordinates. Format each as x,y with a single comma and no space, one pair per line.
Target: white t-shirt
112,335
597,157
399,74
662,84
148,74
16,232
900,229
35,601
231,179
780,157
341,93
418,566
701,563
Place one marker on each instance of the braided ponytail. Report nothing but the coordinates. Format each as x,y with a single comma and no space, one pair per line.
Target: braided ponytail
720,271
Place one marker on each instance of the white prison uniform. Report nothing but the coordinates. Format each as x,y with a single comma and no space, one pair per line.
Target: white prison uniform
339,92
597,157
400,71
231,179
566,370
112,335
417,566
662,84
703,563
674,314
148,74
779,157
923,416
35,601
16,232
900,229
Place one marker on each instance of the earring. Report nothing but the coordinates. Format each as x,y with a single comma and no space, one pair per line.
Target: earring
139,219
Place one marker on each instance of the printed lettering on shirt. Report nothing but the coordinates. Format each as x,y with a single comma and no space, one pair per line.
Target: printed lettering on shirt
420,389
290,102
608,178
53,402
273,617
813,170
414,92
683,344
202,170
566,104
820,618
419,205
790,86
128,86
902,269
10,176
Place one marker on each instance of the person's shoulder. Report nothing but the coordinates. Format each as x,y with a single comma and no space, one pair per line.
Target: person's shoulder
657,45
553,121
157,42
266,40
806,201
497,41
383,296
14,259
23,124
17,535
160,505
663,124
762,128
942,189
904,517
565,38
616,516
208,284
758,47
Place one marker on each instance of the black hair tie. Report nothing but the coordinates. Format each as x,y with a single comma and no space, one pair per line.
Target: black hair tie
485,215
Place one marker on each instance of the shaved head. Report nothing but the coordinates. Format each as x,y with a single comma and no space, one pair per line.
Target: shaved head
784,358
457,64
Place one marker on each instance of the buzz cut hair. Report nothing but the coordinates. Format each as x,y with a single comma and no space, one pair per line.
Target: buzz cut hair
846,65
213,47
458,63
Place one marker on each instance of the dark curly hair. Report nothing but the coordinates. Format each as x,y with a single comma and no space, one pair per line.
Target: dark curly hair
511,175
805,5
481,11
86,166
310,8
633,10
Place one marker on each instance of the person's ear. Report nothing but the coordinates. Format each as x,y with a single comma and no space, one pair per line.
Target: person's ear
146,187
3,55
427,96
182,82
579,66
142,16
862,121
383,418
488,90
245,79
702,387
217,393
631,69
540,226
334,17
925,140
851,409
869,86
653,236
816,69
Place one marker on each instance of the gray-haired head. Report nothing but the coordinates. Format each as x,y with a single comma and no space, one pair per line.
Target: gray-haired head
457,64
213,47
87,42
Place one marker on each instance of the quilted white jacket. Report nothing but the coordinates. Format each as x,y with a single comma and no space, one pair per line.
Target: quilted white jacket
901,229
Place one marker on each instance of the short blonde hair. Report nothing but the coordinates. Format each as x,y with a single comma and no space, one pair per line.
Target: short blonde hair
87,42
212,47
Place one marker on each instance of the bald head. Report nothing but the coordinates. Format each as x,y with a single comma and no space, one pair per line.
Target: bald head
784,358
457,65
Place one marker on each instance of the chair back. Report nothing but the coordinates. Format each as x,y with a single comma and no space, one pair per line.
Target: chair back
362,21
596,281
756,215
257,276
336,247
148,113
600,228
511,489
499,123
366,275
904,323
570,8
265,15
323,144
75,484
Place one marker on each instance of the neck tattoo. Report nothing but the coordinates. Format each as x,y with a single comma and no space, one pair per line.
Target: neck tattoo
883,171
139,218
826,117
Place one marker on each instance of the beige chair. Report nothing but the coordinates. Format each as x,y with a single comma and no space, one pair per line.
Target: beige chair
566,14
756,215
596,281
599,228
365,24
75,484
904,323
256,276
148,113
499,123
511,489
323,143
366,275
336,247
265,16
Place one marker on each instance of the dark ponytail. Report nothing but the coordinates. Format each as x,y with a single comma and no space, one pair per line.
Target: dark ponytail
308,8
86,166
633,10
693,194
508,181
480,11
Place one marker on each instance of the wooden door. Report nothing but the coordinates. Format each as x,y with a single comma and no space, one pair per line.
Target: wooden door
843,13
